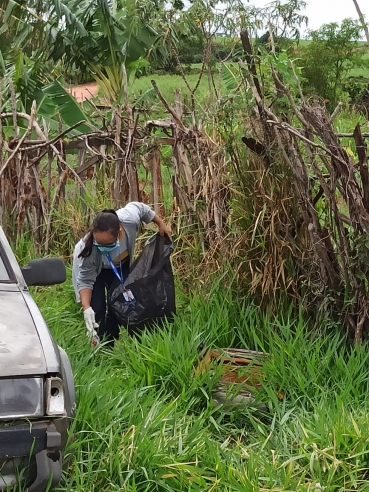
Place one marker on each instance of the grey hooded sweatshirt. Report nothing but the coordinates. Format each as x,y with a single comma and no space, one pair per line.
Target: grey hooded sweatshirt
85,270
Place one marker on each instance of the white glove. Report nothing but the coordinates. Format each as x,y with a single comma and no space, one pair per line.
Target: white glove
89,315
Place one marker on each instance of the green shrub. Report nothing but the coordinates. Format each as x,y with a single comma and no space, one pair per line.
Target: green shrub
332,52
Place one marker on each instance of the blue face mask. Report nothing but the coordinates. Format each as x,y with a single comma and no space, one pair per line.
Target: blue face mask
106,248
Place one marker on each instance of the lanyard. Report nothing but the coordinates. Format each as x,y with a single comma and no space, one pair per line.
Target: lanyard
119,276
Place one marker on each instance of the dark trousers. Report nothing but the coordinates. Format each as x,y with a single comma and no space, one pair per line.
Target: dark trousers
108,323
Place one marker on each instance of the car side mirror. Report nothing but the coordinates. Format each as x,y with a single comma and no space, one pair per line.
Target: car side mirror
44,271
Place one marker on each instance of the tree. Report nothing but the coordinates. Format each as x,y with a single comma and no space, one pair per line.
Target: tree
362,20
327,59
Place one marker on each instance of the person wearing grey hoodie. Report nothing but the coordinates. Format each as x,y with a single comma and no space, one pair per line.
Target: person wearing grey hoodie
102,255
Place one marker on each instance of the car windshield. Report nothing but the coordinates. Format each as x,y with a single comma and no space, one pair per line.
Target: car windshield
4,276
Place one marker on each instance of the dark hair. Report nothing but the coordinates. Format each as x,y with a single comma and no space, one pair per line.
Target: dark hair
106,221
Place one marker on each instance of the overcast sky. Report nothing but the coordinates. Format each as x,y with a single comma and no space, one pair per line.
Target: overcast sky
325,11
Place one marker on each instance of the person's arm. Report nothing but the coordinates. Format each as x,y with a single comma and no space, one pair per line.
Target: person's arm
162,227
86,277
87,274
137,211
85,295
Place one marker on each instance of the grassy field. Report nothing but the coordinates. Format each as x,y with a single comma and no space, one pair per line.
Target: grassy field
169,83
364,70
145,421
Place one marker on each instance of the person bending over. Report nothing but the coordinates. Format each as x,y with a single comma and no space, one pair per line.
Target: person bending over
105,253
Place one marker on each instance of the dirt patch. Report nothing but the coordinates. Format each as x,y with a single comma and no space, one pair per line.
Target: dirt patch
83,92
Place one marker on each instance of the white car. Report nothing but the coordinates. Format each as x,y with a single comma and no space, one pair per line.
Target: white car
37,396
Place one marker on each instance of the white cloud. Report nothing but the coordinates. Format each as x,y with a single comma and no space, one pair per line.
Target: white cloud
325,11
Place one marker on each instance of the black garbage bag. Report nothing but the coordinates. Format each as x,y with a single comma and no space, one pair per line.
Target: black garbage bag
147,295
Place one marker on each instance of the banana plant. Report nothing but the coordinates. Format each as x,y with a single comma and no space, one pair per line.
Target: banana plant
24,78
49,38
98,37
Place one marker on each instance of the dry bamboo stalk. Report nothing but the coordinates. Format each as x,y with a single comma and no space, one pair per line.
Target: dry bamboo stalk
270,29
168,108
342,164
50,158
160,124
295,132
41,135
182,160
205,60
16,155
156,192
53,140
341,167
62,178
39,192
129,162
60,163
119,169
360,325
363,164
17,147
14,109
82,192
351,135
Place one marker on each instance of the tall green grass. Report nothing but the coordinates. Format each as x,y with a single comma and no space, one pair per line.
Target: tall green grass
145,420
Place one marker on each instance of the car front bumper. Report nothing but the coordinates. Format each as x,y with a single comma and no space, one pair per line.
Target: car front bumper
36,446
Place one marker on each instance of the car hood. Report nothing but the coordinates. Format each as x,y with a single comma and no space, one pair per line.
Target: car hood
21,351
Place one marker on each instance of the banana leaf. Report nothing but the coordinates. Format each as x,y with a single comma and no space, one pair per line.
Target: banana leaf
59,101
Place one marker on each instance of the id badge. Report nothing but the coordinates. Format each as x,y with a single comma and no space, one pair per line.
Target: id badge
128,296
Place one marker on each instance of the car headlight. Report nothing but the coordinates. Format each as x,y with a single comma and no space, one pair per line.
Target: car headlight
55,397
21,397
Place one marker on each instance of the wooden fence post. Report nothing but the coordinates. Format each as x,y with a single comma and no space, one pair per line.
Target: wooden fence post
83,174
156,179
119,163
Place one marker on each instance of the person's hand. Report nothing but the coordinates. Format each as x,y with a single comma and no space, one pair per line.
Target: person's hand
164,229
90,322
89,315
93,337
